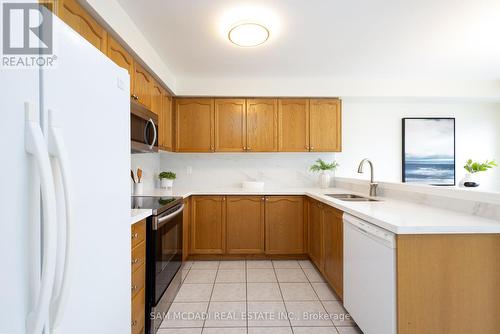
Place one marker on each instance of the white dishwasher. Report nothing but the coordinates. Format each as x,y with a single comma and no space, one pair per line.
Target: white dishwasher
370,276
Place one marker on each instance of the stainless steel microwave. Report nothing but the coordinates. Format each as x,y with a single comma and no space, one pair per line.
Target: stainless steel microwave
143,129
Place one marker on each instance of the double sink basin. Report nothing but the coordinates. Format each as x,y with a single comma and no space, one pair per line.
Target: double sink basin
352,198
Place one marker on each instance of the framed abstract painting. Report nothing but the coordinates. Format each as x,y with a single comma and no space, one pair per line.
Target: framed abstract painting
429,151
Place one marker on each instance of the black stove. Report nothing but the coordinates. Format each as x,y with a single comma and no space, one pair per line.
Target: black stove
164,238
156,203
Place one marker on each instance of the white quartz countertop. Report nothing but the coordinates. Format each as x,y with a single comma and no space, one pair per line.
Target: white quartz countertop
397,216
136,215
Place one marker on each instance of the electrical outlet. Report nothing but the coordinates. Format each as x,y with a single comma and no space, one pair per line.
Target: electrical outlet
189,170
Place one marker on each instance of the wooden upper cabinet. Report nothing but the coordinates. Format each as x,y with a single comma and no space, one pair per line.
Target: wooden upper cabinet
208,215
315,233
156,97
194,125
284,225
293,122
325,125
262,125
230,125
143,85
245,225
121,57
165,120
80,20
333,248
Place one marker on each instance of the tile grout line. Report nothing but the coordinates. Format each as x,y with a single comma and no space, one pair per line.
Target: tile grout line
283,299
210,298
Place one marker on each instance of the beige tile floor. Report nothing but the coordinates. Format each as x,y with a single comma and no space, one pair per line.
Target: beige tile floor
255,297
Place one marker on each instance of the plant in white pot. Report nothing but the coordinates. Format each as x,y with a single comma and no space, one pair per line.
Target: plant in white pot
473,168
325,170
167,179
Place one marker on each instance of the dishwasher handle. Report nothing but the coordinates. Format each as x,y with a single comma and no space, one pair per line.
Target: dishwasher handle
379,234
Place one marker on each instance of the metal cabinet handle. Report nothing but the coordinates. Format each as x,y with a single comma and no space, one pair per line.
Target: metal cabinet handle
134,235
134,261
248,148
307,148
311,148
134,323
263,198
134,287
135,97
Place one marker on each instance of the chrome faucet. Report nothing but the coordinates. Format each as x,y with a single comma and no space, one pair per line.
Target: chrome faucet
373,184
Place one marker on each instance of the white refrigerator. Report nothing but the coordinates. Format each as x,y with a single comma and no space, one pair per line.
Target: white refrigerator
65,193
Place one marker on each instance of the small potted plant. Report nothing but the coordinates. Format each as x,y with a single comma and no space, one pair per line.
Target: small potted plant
167,179
473,168
324,169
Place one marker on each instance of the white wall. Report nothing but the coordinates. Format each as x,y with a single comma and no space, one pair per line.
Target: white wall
150,165
229,170
372,129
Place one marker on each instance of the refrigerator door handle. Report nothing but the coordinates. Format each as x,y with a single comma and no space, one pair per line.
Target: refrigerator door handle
58,152
35,145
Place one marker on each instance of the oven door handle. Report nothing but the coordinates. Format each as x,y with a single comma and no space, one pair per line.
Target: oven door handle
162,220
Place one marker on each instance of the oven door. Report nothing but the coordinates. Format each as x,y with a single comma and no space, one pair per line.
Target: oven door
164,259
143,129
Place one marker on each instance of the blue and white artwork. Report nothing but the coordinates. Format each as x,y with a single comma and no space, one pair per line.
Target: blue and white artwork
429,151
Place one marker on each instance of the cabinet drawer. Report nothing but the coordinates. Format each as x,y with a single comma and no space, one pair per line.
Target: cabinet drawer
138,233
138,256
138,279
138,313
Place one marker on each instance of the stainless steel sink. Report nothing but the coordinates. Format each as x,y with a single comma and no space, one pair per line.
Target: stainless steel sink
352,198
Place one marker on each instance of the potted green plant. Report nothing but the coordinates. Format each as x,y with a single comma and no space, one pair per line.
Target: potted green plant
324,169
473,168
167,179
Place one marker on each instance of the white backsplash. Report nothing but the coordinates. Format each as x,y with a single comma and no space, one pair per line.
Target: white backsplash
150,165
229,170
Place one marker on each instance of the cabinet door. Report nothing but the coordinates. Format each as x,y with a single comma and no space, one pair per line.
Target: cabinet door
293,125
142,85
208,216
245,225
262,125
333,243
230,125
194,125
325,125
165,120
315,233
122,58
80,20
156,98
284,225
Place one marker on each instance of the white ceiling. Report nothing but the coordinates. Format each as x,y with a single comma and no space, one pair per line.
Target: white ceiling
325,39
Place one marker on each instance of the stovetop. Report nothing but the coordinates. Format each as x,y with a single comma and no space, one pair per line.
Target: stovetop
155,203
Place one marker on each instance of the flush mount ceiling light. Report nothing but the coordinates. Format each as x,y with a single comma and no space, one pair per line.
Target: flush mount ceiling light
248,34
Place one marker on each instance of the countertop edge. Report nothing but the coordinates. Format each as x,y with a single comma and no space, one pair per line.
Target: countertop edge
136,215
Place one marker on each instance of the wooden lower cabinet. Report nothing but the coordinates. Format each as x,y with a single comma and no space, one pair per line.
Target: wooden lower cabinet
245,225
326,242
315,232
333,248
138,277
208,225
448,284
284,225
